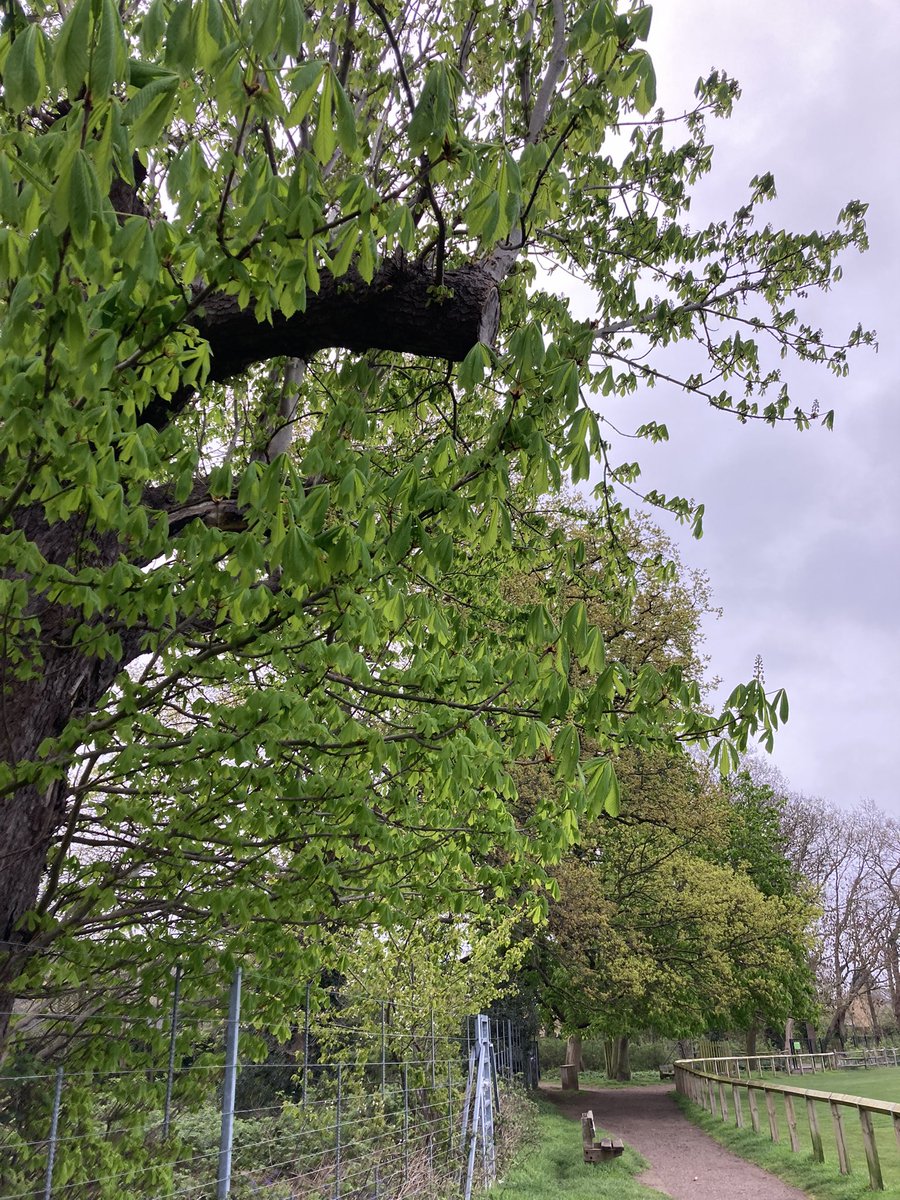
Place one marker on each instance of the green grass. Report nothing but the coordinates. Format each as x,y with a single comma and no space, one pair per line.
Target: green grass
552,1168
879,1083
821,1181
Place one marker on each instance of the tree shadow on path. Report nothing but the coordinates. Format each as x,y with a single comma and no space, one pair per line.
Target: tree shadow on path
685,1163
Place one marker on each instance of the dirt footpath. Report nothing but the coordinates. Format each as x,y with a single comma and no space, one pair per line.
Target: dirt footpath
685,1163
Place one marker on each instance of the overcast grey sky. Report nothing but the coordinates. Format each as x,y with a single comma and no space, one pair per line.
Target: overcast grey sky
802,540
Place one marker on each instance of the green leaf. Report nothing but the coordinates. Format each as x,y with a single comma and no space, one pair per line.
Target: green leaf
153,26
645,94
346,120
179,52
640,22
108,60
76,199
398,544
602,787
324,140
593,657
431,120
261,24
147,112
366,262
24,72
305,81
341,260
73,47
471,370
566,751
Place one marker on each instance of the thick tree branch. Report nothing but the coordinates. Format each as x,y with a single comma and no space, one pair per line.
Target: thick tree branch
555,68
399,310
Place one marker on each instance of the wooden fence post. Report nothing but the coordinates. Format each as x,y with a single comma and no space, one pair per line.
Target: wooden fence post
723,1103
868,1134
754,1111
792,1123
815,1135
738,1107
773,1119
838,1122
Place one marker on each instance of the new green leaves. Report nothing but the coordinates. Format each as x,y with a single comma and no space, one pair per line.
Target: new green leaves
317,88
25,68
433,118
90,48
77,197
88,54
150,108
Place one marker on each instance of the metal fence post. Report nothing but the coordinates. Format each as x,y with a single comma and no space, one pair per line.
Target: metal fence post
337,1138
306,1048
51,1142
405,1123
383,1054
173,1036
450,1106
433,1052
231,1059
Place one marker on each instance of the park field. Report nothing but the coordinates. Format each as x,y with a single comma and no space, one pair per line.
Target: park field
822,1182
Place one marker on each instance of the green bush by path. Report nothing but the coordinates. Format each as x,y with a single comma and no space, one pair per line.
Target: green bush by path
552,1168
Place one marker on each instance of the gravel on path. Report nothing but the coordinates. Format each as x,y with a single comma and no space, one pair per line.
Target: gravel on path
685,1162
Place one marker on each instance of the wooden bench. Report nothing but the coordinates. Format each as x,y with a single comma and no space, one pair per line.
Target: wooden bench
597,1150
667,1071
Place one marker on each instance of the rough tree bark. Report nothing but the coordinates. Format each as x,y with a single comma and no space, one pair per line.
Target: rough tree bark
751,1039
573,1051
617,1064
397,311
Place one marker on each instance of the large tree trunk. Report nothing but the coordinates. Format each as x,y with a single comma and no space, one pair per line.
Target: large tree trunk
893,972
789,1035
836,1030
617,1065
574,1056
64,682
751,1038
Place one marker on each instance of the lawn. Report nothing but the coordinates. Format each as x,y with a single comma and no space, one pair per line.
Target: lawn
882,1083
552,1168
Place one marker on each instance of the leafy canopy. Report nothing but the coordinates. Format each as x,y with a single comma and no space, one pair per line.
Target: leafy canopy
263,678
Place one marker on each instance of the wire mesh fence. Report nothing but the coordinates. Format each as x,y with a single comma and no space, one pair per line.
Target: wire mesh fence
355,1099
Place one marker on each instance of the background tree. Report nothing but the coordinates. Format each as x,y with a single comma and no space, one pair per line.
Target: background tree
655,928
280,392
683,912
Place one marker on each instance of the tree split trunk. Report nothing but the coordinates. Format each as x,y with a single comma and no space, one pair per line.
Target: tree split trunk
617,1064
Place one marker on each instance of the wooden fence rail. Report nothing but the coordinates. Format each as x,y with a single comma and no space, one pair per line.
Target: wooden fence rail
717,1084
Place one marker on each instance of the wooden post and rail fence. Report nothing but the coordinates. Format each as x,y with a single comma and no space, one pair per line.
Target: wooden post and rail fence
719,1085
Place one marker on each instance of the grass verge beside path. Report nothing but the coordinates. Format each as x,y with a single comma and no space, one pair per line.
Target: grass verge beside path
551,1168
820,1181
